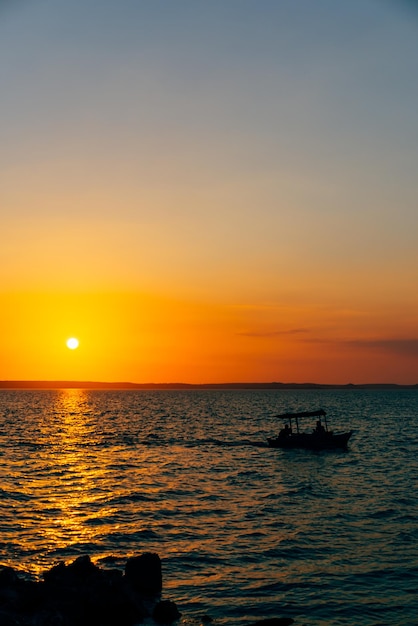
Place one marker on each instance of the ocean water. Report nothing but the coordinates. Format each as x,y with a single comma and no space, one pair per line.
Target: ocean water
244,531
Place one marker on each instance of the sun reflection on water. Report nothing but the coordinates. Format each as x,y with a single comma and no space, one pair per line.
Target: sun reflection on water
67,479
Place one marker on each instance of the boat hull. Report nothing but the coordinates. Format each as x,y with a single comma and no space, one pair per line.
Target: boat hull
314,441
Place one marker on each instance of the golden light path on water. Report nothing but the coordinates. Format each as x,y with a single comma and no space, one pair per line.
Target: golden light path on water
73,483
64,486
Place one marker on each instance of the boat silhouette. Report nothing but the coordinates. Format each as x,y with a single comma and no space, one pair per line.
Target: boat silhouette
320,438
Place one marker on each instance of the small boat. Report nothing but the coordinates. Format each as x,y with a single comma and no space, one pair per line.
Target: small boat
320,438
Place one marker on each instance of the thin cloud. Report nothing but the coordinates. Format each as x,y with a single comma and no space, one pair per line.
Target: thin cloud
274,333
405,347
400,346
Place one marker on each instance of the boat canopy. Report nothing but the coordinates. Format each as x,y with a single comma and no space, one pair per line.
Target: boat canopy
319,413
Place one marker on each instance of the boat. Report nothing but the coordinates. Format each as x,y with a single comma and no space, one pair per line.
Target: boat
320,438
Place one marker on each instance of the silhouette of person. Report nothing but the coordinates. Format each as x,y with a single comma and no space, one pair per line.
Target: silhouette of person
286,431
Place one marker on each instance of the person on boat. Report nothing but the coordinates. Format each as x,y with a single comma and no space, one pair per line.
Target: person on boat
285,431
319,430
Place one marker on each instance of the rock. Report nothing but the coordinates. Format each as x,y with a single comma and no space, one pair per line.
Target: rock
90,596
31,596
109,559
144,573
114,605
82,594
165,612
81,571
83,568
8,576
6,619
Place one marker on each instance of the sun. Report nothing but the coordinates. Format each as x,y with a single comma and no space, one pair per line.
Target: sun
72,343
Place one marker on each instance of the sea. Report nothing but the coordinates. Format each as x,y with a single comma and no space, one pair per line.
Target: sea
244,532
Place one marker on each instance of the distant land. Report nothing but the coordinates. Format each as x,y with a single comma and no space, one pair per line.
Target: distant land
66,384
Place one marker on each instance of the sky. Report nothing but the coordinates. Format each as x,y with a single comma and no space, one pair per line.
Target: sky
209,190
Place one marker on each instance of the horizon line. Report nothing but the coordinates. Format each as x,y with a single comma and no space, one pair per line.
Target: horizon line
74,384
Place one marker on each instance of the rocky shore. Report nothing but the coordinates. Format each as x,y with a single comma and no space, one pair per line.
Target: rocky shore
82,594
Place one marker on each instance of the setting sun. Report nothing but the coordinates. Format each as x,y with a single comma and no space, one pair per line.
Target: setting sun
72,343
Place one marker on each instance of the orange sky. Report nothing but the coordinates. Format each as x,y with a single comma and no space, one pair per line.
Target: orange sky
209,192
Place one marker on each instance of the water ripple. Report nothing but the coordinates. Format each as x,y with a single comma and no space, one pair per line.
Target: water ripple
244,531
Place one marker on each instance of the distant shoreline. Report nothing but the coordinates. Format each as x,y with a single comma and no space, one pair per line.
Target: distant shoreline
65,384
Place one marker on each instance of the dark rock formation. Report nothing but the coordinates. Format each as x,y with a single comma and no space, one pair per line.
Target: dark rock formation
165,612
82,594
144,573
